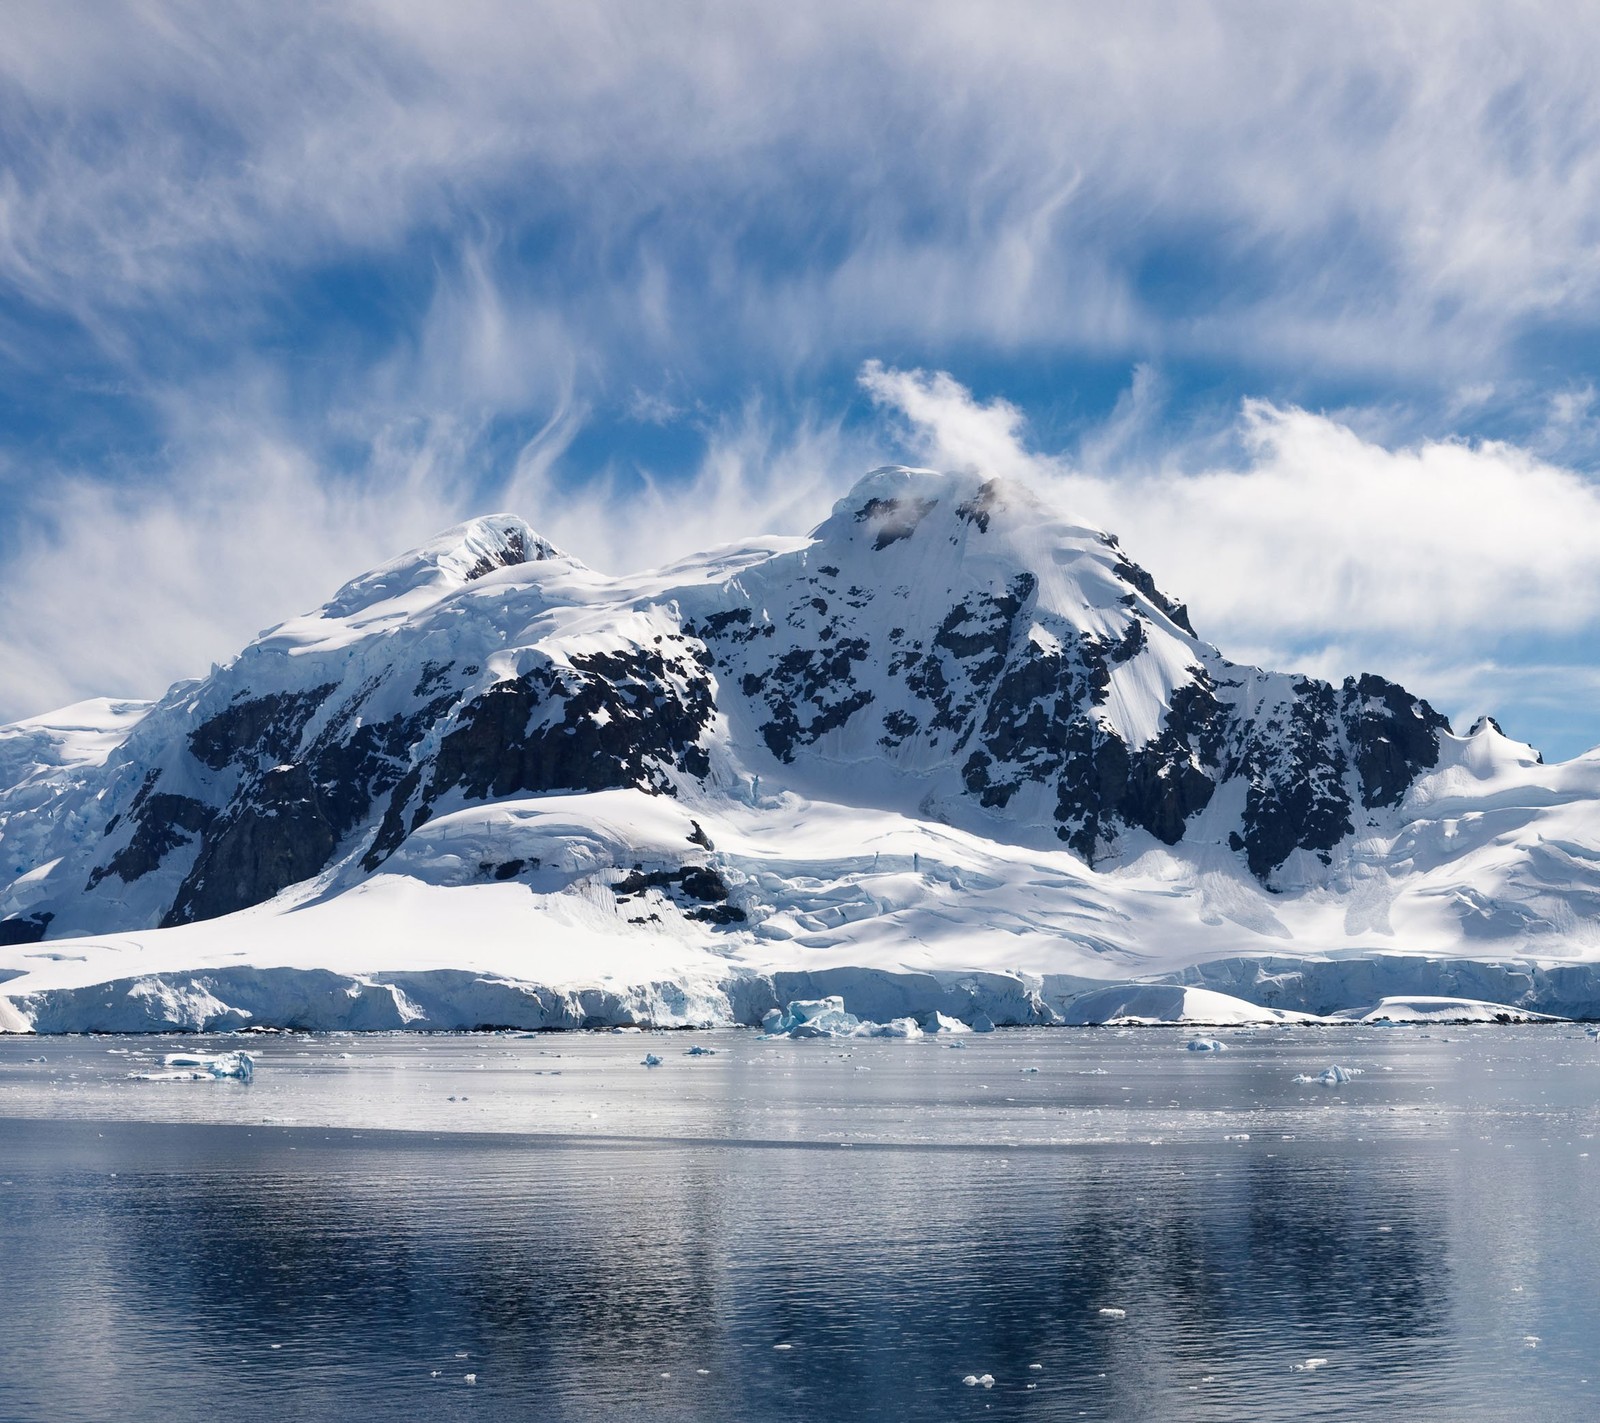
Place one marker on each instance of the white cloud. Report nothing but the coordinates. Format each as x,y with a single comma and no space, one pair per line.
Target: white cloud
119,593
1382,185
758,475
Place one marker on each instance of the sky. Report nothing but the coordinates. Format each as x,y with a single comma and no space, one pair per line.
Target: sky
1303,302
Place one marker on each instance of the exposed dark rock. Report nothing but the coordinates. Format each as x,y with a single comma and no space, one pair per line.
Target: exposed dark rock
1135,576
30,929
257,847
607,721
1393,735
1296,770
266,728
698,889
895,519
162,824
978,509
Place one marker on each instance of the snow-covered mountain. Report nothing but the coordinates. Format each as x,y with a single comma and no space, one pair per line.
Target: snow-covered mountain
951,733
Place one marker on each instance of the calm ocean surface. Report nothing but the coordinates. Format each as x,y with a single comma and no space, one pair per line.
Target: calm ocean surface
541,1228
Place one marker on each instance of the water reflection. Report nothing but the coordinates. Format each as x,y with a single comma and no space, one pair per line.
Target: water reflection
183,1270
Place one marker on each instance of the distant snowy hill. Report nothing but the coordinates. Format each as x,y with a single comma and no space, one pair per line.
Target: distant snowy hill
951,738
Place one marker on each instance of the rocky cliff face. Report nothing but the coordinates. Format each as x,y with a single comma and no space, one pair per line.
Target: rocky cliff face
943,643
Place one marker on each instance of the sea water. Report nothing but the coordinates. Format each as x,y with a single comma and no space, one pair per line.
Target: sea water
1093,1223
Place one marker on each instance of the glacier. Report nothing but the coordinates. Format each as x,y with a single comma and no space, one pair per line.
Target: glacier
954,756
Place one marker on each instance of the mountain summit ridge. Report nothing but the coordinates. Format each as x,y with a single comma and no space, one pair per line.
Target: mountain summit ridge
945,650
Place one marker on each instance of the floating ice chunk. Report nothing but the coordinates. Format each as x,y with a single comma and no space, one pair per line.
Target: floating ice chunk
202,1067
1206,1045
1237,1136
979,1380
1591,1032
827,1018
783,1348
698,1051
1113,1314
894,1028
1530,1341
650,1060
1035,1368
942,1023
469,1378
983,1023
1309,1367
1335,1076
811,1018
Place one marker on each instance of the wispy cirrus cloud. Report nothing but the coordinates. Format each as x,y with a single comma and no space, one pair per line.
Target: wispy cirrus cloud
1350,185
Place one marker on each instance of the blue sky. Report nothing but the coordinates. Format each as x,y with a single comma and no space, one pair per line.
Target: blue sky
1302,301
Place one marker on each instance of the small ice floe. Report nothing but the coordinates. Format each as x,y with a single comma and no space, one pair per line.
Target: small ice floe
894,1028
1027,1070
1335,1076
1530,1341
783,1348
698,1051
202,1067
1206,1045
942,1023
650,1060
1309,1367
1113,1313
1237,1136
1035,1368
979,1380
469,1378
827,1018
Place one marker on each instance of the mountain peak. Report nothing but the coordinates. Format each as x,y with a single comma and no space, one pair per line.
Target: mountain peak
451,560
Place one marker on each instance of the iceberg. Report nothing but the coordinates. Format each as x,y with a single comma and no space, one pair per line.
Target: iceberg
1334,1076
894,1028
1206,1045
937,1022
811,1018
202,1067
828,1018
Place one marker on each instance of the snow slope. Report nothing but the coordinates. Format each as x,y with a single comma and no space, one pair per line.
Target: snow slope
954,752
